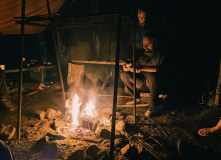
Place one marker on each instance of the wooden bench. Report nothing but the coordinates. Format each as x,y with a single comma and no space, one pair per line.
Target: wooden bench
40,68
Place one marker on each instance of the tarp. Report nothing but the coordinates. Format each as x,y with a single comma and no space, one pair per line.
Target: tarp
12,8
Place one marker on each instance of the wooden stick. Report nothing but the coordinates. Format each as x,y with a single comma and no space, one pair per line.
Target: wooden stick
146,145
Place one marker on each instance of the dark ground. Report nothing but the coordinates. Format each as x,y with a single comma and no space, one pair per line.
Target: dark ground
180,122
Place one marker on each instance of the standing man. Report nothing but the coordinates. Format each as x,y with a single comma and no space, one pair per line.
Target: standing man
149,69
142,29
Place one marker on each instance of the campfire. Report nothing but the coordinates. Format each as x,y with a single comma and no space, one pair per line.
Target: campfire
83,118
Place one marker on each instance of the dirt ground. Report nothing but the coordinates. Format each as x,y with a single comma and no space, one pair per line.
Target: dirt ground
40,141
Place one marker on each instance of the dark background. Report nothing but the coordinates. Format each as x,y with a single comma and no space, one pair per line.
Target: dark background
190,28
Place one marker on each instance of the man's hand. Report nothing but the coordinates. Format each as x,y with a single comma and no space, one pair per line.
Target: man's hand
125,68
137,70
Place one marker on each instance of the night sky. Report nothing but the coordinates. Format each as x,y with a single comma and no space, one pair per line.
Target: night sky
192,29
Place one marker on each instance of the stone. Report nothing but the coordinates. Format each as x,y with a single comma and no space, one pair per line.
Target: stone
124,149
105,134
100,127
58,113
92,151
50,114
120,142
6,132
78,154
129,152
40,114
38,146
120,126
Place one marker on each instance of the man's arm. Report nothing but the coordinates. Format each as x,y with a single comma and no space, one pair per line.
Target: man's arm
144,69
149,69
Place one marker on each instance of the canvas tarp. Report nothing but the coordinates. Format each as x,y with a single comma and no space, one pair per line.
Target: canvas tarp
12,8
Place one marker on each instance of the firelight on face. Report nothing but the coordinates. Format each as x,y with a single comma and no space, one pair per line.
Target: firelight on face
141,16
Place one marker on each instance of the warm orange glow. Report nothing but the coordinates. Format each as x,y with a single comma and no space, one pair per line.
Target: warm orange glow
75,110
89,109
105,121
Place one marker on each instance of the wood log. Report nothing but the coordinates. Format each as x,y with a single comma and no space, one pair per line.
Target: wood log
217,97
89,123
75,75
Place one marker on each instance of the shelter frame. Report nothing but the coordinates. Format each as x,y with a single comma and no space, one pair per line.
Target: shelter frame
50,21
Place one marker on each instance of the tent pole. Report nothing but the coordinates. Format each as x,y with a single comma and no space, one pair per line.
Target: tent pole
20,71
115,86
134,73
56,51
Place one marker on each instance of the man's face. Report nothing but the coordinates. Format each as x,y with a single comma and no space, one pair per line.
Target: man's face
147,45
142,17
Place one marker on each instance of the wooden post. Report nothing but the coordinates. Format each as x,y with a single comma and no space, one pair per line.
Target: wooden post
217,97
115,86
56,51
21,70
134,73
42,74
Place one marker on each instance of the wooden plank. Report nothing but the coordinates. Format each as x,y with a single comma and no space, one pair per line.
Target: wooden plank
148,95
95,62
29,69
31,93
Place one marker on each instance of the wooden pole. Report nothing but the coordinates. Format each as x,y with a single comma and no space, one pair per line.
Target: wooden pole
20,71
134,73
217,97
56,51
115,86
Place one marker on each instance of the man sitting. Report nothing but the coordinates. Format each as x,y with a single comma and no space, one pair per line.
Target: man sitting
149,74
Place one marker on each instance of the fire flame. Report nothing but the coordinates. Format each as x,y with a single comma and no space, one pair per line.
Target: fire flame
89,109
75,113
75,109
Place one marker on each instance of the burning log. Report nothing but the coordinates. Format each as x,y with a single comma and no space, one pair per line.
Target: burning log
89,123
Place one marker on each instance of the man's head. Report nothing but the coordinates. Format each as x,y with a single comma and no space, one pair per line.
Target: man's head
141,17
149,43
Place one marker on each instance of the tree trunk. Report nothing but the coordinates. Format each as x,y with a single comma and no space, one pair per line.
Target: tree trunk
217,97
